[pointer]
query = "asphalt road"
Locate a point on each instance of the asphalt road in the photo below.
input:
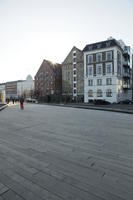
(58, 153)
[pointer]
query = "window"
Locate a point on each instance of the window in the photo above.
(99, 57)
(90, 82)
(74, 59)
(119, 56)
(99, 81)
(74, 91)
(108, 81)
(90, 58)
(109, 55)
(109, 93)
(74, 66)
(74, 85)
(90, 70)
(99, 93)
(108, 68)
(74, 79)
(74, 54)
(99, 69)
(74, 72)
(90, 93)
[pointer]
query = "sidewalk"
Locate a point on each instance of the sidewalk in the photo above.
(122, 108)
(3, 106)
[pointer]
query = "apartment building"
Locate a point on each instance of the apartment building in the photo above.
(73, 76)
(107, 71)
(48, 82)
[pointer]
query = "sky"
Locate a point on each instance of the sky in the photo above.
(34, 30)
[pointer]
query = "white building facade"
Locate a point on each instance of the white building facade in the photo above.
(25, 87)
(107, 71)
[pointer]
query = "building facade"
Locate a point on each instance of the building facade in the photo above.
(48, 82)
(2, 91)
(26, 87)
(107, 71)
(73, 76)
(11, 89)
(15, 89)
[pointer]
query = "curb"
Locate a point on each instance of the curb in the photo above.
(92, 108)
(3, 107)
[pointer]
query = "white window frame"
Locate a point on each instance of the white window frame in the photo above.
(90, 55)
(107, 67)
(107, 55)
(99, 93)
(90, 95)
(90, 82)
(110, 81)
(101, 69)
(90, 66)
(109, 91)
(98, 81)
(97, 58)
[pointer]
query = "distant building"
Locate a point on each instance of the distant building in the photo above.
(15, 89)
(107, 71)
(73, 76)
(2, 90)
(11, 89)
(26, 87)
(48, 84)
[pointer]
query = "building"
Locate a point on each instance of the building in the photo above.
(48, 82)
(11, 89)
(73, 76)
(2, 91)
(15, 89)
(107, 71)
(26, 87)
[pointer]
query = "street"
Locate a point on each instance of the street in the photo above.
(57, 153)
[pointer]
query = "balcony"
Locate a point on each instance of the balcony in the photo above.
(126, 63)
(126, 51)
(126, 75)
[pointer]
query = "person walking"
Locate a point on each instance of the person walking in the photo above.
(22, 103)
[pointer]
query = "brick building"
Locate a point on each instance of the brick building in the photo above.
(73, 76)
(48, 82)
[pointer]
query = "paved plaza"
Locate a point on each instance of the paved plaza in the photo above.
(58, 153)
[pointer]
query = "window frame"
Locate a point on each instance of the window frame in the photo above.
(90, 56)
(91, 93)
(97, 57)
(110, 82)
(100, 64)
(90, 66)
(99, 93)
(98, 81)
(107, 66)
(108, 93)
(90, 82)
(107, 55)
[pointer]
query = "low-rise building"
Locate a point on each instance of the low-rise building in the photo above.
(107, 71)
(48, 82)
(15, 89)
(73, 76)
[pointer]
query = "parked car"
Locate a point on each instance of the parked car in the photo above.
(30, 100)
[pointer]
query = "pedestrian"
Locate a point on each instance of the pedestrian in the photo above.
(22, 103)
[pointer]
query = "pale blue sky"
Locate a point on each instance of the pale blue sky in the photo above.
(33, 30)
